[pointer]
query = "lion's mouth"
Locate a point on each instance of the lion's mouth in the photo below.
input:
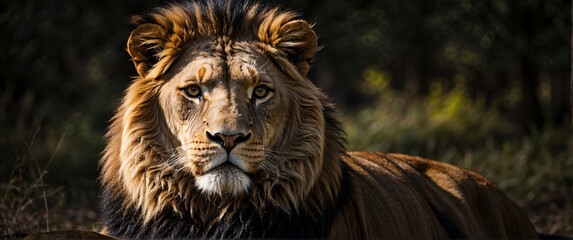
(227, 165)
(227, 162)
(224, 179)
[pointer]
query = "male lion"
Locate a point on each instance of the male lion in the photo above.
(223, 136)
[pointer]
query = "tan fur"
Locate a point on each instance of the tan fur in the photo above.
(162, 157)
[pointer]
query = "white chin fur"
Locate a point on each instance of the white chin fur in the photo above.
(226, 181)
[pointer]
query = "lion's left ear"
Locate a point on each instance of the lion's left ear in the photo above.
(295, 38)
(144, 43)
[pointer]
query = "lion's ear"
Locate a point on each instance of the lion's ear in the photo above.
(293, 37)
(144, 43)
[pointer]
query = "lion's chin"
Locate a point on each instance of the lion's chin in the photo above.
(224, 181)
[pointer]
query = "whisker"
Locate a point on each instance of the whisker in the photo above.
(260, 68)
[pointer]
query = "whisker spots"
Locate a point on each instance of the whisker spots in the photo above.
(252, 150)
(256, 144)
(249, 157)
(204, 148)
(207, 155)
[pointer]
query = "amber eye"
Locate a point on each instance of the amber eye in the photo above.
(261, 92)
(193, 91)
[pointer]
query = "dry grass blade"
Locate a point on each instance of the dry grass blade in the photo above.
(23, 190)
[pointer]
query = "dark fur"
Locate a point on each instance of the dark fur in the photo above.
(274, 223)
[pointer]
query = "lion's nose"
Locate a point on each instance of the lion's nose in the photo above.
(228, 141)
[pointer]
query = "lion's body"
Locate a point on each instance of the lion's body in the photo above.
(223, 136)
(436, 200)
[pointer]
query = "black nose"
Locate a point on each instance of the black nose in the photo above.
(228, 141)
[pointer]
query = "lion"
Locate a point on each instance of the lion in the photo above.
(222, 135)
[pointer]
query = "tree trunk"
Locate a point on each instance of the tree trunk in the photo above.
(571, 84)
(530, 106)
(558, 99)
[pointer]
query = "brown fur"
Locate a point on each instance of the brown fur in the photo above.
(160, 173)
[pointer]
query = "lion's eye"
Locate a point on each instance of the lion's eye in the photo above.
(261, 92)
(193, 91)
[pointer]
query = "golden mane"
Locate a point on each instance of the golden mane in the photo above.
(303, 170)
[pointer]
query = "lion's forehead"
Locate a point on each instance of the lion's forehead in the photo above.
(210, 64)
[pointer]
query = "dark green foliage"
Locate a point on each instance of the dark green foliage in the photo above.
(64, 68)
(513, 53)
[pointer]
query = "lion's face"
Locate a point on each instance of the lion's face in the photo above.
(223, 113)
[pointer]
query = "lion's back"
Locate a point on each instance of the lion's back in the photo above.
(388, 195)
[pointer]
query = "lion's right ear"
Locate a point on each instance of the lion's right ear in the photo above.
(293, 37)
(144, 44)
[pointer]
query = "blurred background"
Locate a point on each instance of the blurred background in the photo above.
(481, 84)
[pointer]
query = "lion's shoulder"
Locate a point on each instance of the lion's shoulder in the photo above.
(442, 199)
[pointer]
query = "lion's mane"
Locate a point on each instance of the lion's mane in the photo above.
(302, 178)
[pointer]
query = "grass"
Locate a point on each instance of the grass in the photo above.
(28, 203)
(24, 194)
